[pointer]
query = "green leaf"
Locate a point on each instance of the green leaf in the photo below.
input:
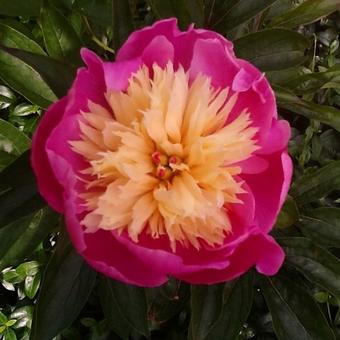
(23, 315)
(125, 307)
(187, 11)
(315, 185)
(18, 192)
(61, 40)
(31, 286)
(167, 300)
(315, 263)
(12, 140)
(323, 113)
(6, 159)
(272, 49)
(3, 318)
(237, 302)
(239, 12)
(122, 20)
(308, 12)
(289, 214)
(7, 97)
(24, 79)
(66, 286)
(17, 8)
(311, 82)
(9, 334)
(28, 268)
(24, 109)
(322, 225)
(15, 35)
(295, 314)
(10, 323)
(99, 11)
(11, 276)
(206, 309)
(51, 76)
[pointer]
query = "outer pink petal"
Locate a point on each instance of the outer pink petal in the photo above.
(256, 96)
(48, 185)
(58, 145)
(212, 59)
(88, 85)
(140, 39)
(183, 42)
(270, 189)
(277, 138)
(126, 261)
(260, 250)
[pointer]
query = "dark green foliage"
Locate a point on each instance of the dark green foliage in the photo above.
(48, 292)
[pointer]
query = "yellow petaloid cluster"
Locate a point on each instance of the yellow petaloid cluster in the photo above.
(163, 160)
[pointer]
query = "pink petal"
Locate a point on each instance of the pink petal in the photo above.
(48, 185)
(270, 189)
(182, 42)
(88, 85)
(140, 39)
(277, 138)
(256, 96)
(212, 59)
(258, 250)
(126, 261)
(243, 80)
(253, 165)
(58, 145)
(117, 74)
(159, 51)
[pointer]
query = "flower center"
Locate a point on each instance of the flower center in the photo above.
(163, 161)
(166, 166)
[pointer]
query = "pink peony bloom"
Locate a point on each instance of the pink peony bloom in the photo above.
(170, 161)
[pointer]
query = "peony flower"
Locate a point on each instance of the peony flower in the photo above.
(169, 161)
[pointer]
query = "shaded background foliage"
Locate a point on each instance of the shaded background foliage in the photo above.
(47, 291)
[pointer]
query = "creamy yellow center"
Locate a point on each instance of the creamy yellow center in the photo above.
(163, 160)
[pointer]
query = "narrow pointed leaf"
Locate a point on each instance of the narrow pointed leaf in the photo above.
(55, 75)
(61, 40)
(12, 140)
(323, 113)
(18, 191)
(206, 309)
(122, 20)
(187, 11)
(99, 11)
(272, 49)
(15, 35)
(20, 238)
(295, 314)
(322, 225)
(24, 79)
(66, 286)
(167, 300)
(237, 302)
(19, 7)
(125, 307)
(315, 263)
(239, 12)
(311, 82)
(308, 12)
(315, 185)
